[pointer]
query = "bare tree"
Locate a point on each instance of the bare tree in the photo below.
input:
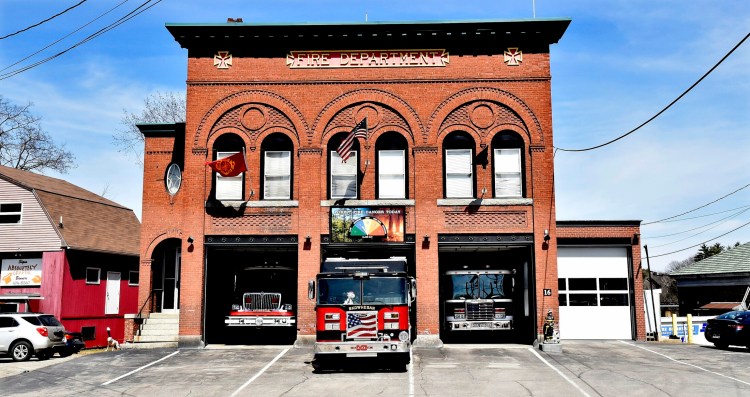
(23, 143)
(168, 107)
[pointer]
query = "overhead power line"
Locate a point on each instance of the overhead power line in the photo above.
(746, 207)
(665, 108)
(46, 20)
(695, 209)
(715, 225)
(98, 33)
(699, 244)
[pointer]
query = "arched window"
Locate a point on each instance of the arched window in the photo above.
(458, 148)
(343, 175)
(276, 158)
(507, 164)
(391, 165)
(233, 187)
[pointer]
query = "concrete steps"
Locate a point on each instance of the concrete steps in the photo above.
(159, 330)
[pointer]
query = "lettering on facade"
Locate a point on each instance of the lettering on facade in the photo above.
(367, 59)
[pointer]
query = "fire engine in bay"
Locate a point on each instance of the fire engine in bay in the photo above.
(362, 310)
(479, 299)
(253, 306)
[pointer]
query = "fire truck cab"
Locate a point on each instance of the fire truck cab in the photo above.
(362, 310)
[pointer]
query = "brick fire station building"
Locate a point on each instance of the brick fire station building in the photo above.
(453, 170)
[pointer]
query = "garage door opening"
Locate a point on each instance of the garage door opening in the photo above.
(485, 294)
(251, 295)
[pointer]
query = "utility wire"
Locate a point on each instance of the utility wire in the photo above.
(703, 216)
(46, 20)
(696, 245)
(664, 109)
(98, 33)
(66, 36)
(699, 227)
(695, 209)
(703, 231)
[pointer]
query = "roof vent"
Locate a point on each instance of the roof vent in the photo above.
(234, 20)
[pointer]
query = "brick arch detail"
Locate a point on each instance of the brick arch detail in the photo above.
(285, 106)
(160, 238)
(374, 96)
(500, 97)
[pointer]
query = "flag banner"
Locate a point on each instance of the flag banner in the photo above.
(362, 325)
(229, 166)
(345, 148)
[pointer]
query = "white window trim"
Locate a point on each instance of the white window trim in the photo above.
(241, 177)
(98, 275)
(334, 156)
(9, 213)
(130, 277)
(266, 175)
(471, 173)
(497, 171)
(402, 174)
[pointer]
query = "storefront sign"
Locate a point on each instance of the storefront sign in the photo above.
(349, 224)
(21, 272)
(367, 59)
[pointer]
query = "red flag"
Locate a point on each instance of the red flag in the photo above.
(229, 166)
(345, 148)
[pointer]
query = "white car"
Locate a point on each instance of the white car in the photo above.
(23, 335)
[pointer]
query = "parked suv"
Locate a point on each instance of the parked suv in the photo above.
(25, 334)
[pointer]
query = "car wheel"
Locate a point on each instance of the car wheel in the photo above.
(65, 353)
(44, 355)
(21, 351)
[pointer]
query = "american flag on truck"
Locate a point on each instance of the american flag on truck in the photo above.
(362, 325)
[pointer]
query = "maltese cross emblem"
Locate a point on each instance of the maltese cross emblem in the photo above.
(223, 60)
(513, 57)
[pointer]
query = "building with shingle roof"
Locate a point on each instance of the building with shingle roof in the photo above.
(68, 252)
(716, 284)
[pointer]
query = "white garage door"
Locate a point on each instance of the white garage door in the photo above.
(593, 283)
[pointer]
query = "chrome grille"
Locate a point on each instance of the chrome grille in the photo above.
(479, 310)
(261, 301)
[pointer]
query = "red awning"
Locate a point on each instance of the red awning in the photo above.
(720, 305)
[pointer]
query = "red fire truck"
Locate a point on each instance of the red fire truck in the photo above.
(479, 299)
(362, 310)
(253, 307)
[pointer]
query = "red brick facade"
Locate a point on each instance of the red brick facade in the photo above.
(477, 92)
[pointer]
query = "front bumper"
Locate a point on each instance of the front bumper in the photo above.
(260, 321)
(362, 348)
(488, 325)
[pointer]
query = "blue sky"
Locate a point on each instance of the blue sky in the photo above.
(618, 64)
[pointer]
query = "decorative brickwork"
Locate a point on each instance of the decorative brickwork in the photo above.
(485, 220)
(281, 222)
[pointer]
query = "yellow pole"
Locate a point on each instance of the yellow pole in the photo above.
(674, 324)
(689, 328)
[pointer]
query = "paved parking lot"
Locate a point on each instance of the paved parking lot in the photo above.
(599, 368)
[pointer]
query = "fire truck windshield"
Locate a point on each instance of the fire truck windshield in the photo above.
(375, 290)
(481, 286)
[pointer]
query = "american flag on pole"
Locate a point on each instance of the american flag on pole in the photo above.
(362, 325)
(345, 148)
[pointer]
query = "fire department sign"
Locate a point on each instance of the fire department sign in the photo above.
(513, 57)
(367, 59)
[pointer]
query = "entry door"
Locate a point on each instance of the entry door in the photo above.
(171, 293)
(112, 303)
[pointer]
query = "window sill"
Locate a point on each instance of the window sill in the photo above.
(490, 201)
(251, 204)
(367, 203)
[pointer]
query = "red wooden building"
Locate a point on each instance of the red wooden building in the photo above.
(68, 252)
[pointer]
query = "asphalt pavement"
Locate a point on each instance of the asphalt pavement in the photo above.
(590, 368)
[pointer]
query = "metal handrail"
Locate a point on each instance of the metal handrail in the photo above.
(140, 312)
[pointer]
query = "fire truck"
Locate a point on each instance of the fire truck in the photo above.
(362, 310)
(254, 307)
(479, 299)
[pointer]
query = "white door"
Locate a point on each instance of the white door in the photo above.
(594, 286)
(112, 303)
(171, 293)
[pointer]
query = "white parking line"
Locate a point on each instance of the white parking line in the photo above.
(260, 372)
(688, 364)
(531, 349)
(410, 371)
(138, 369)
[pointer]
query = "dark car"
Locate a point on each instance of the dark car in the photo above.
(731, 328)
(73, 344)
